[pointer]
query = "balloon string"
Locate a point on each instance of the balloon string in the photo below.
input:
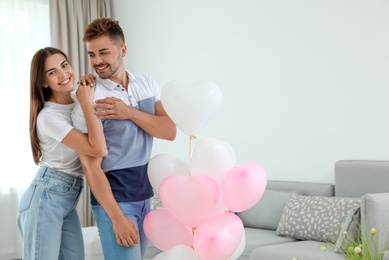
(192, 137)
(194, 230)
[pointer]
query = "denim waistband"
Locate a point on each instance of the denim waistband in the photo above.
(46, 171)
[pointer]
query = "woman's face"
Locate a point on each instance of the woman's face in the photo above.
(58, 74)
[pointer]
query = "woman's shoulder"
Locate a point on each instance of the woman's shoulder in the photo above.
(58, 112)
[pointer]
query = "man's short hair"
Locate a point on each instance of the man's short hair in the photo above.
(104, 27)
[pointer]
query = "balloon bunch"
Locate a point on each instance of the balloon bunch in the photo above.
(197, 219)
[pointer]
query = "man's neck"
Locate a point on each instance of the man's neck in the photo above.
(122, 79)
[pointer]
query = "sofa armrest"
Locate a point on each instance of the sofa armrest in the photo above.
(375, 214)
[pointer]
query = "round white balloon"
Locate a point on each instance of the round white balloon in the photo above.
(178, 252)
(162, 166)
(212, 157)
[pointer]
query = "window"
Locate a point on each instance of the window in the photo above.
(25, 28)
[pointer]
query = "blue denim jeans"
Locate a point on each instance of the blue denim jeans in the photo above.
(136, 212)
(47, 217)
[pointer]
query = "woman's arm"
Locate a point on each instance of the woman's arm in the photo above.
(92, 144)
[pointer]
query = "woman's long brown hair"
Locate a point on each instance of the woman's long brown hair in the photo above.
(38, 95)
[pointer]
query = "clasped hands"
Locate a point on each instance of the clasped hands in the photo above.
(107, 108)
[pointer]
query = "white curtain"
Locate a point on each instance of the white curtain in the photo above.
(25, 28)
(68, 21)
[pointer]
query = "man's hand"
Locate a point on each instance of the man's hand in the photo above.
(112, 108)
(126, 232)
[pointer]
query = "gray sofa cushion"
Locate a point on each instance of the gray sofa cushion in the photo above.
(267, 212)
(261, 237)
(315, 217)
(302, 250)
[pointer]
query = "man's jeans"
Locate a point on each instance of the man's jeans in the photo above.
(136, 212)
(47, 217)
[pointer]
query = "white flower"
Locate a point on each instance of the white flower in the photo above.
(357, 250)
(373, 231)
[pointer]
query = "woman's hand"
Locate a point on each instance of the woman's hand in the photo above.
(85, 93)
(88, 79)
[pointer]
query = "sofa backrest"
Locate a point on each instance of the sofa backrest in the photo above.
(355, 178)
(266, 214)
(304, 188)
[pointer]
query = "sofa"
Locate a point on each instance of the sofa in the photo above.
(362, 183)
(293, 220)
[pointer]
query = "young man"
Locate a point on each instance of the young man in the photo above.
(132, 114)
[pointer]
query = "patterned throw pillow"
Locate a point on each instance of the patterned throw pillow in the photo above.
(315, 217)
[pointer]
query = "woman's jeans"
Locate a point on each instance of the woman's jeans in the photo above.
(47, 217)
(136, 212)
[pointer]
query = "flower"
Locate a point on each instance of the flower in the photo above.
(357, 250)
(364, 246)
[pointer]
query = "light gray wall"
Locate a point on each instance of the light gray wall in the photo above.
(304, 83)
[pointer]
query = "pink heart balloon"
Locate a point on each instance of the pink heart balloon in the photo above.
(243, 186)
(189, 199)
(218, 237)
(190, 106)
(165, 231)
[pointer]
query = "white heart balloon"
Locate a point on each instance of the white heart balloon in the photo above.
(190, 106)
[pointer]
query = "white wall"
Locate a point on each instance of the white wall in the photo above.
(304, 83)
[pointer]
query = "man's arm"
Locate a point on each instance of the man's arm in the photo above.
(125, 231)
(159, 125)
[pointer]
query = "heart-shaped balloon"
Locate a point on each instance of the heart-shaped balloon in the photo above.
(219, 237)
(243, 186)
(189, 199)
(165, 231)
(190, 106)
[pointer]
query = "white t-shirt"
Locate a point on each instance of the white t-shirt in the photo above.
(53, 124)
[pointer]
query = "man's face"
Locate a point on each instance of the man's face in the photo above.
(105, 57)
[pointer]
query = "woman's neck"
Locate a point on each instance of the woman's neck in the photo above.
(63, 99)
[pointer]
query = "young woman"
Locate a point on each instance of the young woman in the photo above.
(47, 217)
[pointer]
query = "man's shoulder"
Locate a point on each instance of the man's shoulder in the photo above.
(141, 77)
(144, 80)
